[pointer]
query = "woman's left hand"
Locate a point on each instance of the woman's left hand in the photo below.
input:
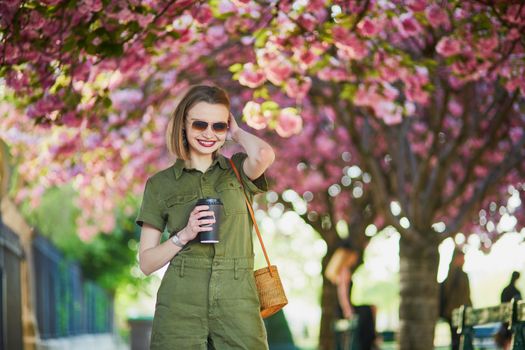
(234, 129)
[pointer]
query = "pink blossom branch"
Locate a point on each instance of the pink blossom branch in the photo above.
(370, 163)
(511, 160)
(489, 142)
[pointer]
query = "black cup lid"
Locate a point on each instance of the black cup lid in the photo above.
(209, 201)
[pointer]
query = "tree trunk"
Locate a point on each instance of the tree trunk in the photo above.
(328, 306)
(418, 310)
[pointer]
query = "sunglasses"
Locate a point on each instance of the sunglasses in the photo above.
(219, 127)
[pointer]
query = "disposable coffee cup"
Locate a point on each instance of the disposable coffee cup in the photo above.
(215, 205)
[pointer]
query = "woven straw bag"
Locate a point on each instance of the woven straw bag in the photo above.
(269, 286)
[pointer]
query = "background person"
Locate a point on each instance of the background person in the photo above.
(455, 291)
(504, 336)
(339, 271)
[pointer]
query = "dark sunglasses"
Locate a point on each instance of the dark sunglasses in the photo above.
(219, 127)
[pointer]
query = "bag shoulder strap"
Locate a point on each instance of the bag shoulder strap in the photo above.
(250, 209)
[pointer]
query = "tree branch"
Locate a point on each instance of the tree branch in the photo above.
(509, 162)
(490, 141)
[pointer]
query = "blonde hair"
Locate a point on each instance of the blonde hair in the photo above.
(175, 134)
(342, 258)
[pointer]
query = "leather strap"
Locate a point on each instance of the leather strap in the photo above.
(250, 209)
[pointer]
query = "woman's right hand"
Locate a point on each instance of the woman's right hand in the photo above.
(347, 312)
(196, 223)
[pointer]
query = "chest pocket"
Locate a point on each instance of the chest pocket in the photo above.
(179, 208)
(230, 193)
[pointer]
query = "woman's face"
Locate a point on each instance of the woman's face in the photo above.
(206, 127)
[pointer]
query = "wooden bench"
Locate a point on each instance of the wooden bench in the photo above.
(466, 318)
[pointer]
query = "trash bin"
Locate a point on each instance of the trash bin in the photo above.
(140, 332)
(279, 334)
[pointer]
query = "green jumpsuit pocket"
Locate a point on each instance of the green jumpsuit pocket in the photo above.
(179, 209)
(230, 193)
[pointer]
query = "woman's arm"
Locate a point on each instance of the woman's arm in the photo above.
(343, 292)
(260, 153)
(152, 255)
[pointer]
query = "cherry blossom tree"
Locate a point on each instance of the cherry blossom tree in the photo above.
(426, 97)
(327, 191)
(432, 97)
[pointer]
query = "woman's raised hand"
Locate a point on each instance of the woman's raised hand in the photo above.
(233, 128)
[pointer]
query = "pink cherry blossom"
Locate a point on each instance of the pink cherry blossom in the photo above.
(334, 74)
(407, 25)
(349, 45)
(368, 27)
(240, 3)
(308, 21)
(315, 181)
(202, 14)
(417, 5)
(254, 116)
(298, 89)
(516, 134)
(278, 71)
(226, 6)
(93, 5)
(389, 112)
(126, 99)
(216, 35)
(487, 46)
(455, 108)
(366, 96)
(437, 16)
(252, 76)
(448, 46)
(288, 122)
(306, 57)
(417, 94)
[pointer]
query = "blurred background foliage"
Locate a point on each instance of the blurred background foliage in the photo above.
(107, 259)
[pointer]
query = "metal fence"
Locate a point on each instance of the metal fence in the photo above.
(10, 297)
(66, 304)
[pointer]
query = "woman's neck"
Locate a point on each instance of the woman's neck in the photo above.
(201, 163)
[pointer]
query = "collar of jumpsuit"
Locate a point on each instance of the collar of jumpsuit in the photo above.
(179, 165)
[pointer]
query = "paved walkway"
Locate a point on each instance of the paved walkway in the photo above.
(85, 342)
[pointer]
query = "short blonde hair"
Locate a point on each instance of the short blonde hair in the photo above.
(175, 131)
(342, 258)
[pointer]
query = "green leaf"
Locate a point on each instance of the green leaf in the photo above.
(348, 92)
(269, 106)
(261, 93)
(235, 68)
(110, 49)
(69, 44)
(261, 36)
(150, 39)
(106, 101)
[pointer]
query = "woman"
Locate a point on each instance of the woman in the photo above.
(339, 270)
(207, 298)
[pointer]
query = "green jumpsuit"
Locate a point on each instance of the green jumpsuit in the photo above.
(207, 298)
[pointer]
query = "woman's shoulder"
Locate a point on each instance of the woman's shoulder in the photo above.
(238, 157)
(163, 176)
